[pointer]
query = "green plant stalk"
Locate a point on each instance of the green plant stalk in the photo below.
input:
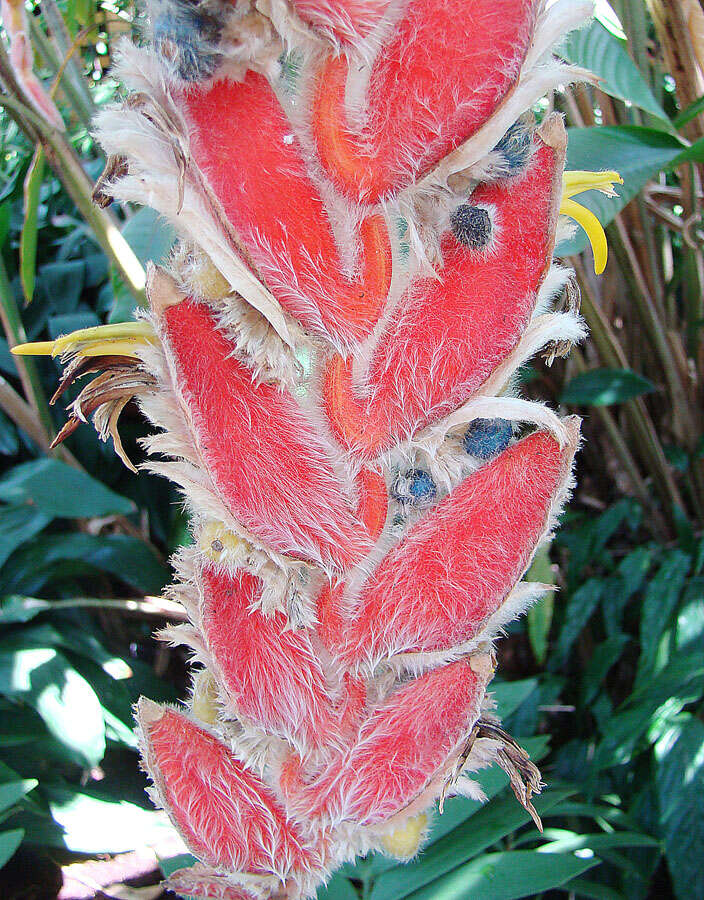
(26, 367)
(611, 354)
(623, 453)
(51, 61)
(655, 328)
(71, 76)
(63, 160)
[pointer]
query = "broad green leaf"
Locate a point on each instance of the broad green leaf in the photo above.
(651, 706)
(28, 241)
(9, 439)
(679, 780)
(580, 607)
(57, 489)
(66, 702)
(659, 602)
(95, 824)
(540, 615)
(599, 842)
(510, 694)
(338, 888)
(603, 658)
(17, 525)
(504, 876)
(62, 284)
(603, 387)
(9, 842)
(127, 558)
(151, 238)
(690, 113)
(491, 823)
(13, 791)
(594, 48)
(584, 887)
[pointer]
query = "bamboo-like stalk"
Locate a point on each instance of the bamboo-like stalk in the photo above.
(67, 166)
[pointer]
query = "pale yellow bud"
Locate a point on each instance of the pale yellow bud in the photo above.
(205, 697)
(206, 280)
(404, 841)
(218, 543)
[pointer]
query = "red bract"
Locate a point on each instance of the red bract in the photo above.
(271, 467)
(367, 226)
(451, 331)
(279, 213)
(445, 68)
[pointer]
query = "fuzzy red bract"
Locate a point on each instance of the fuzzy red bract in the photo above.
(347, 20)
(273, 675)
(402, 745)
(227, 816)
(263, 454)
(449, 333)
(280, 215)
(448, 66)
(455, 568)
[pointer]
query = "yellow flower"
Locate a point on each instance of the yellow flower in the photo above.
(576, 182)
(120, 339)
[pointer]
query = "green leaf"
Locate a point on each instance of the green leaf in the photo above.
(580, 607)
(9, 842)
(17, 525)
(13, 791)
(594, 48)
(679, 780)
(599, 841)
(540, 615)
(509, 695)
(339, 888)
(487, 826)
(28, 241)
(9, 439)
(93, 823)
(659, 604)
(57, 489)
(603, 387)
(127, 558)
(504, 876)
(603, 658)
(151, 238)
(651, 706)
(66, 702)
(690, 113)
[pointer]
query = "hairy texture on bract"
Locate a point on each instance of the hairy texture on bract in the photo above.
(453, 571)
(270, 467)
(225, 814)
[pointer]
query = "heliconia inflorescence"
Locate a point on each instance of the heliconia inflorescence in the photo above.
(367, 214)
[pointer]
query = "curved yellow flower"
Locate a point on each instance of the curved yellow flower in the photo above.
(577, 182)
(120, 339)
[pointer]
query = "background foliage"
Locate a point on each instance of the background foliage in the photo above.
(603, 682)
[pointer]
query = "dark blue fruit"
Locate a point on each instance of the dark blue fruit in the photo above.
(185, 37)
(515, 147)
(414, 487)
(487, 437)
(471, 225)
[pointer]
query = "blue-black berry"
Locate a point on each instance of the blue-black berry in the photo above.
(515, 146)
(487, 437)
(184, 35)
(471, 225)
(414, 487)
